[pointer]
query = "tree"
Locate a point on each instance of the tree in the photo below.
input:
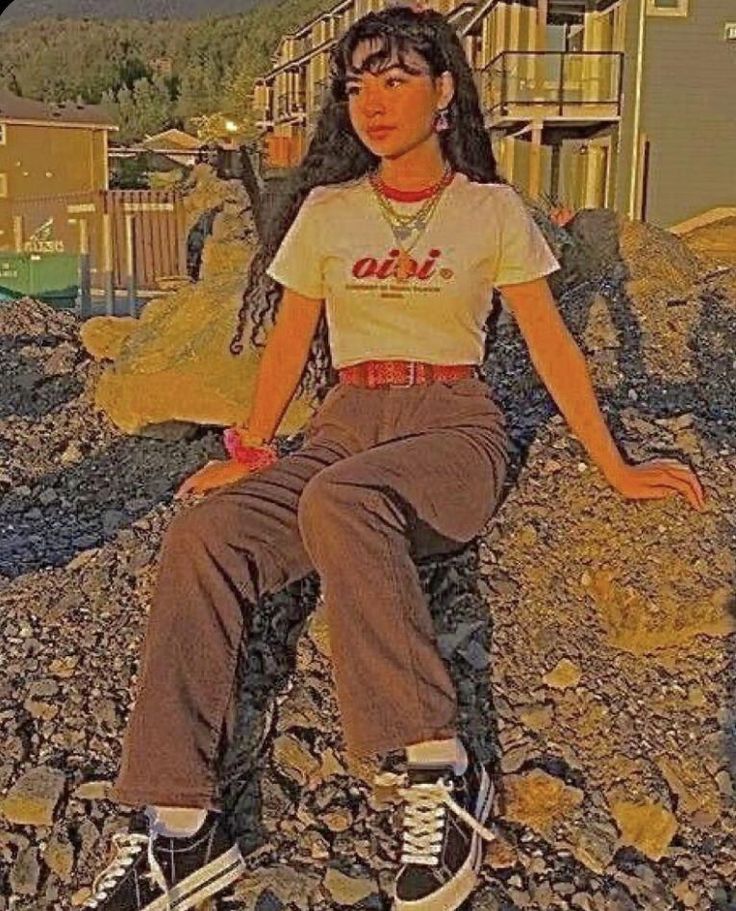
(152, 104)
(211, 63)
(200, 90)
(127, 115)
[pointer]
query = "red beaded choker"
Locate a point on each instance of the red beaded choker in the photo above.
(408, 195)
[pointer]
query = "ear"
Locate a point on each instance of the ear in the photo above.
(446, 88)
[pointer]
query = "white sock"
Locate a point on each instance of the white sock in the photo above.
(439, 752)
(176, 822)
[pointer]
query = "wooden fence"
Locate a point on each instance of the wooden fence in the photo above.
(129, 240)
(148, 228)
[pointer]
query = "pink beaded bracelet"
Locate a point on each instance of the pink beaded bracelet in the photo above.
(253, 456)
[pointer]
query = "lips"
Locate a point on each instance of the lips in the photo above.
(379, 131)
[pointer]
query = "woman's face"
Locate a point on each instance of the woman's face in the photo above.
(394, 110)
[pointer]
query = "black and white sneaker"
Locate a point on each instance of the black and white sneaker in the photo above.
(153, 872)
(442, 830)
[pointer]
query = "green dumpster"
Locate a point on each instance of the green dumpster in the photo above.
(50, 277)
(15, 272)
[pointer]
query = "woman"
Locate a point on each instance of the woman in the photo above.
(397, 223)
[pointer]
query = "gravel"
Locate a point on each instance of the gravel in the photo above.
(590, 637)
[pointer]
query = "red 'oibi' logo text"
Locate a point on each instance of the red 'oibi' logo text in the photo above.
(370, 267)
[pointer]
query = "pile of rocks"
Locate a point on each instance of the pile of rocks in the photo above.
(591, 638)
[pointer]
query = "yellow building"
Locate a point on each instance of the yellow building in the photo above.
(53, 158)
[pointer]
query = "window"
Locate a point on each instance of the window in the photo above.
(667, 7)
(3, 186)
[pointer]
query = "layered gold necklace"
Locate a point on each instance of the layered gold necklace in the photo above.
(404, 225)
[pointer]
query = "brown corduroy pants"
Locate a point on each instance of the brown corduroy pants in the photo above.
(385, 475)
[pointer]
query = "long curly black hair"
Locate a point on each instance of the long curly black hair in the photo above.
(337, 155)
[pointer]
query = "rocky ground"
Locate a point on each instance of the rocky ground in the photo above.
(591, 638)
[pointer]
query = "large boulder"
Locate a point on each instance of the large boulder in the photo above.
(174, 367)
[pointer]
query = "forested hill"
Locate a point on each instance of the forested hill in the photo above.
(29, 10)
(151, 74)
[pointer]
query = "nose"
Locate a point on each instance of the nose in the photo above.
(371, 102)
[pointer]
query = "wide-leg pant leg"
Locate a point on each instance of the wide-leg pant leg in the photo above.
(350, 523)
(355, 517)
(219, 556)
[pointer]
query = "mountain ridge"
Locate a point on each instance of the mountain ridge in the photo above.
(28, 10)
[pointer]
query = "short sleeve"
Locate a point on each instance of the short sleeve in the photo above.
(524, 254)
(298, 262)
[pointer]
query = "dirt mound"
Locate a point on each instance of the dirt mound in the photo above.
(717, 241)
(591, 638)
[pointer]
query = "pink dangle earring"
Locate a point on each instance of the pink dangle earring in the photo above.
(442, 122)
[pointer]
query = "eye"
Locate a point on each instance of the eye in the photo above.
(395, 79)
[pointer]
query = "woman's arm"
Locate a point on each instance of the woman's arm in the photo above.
(564, 370)
(282, 365)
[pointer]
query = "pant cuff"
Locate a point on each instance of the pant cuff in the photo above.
(384, 743)
(194, 800)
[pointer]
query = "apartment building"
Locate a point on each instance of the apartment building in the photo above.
(588, 103)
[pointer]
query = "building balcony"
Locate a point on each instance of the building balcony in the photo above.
(577, 87)
(290, 107)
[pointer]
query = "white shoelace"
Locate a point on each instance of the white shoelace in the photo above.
(424, 821)
(127, 847)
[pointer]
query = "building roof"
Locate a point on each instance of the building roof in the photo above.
(461, 15)
(325, 14)
(13, 107)
(473, 21)
(172, 140)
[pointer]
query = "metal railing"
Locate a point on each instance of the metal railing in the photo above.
(290, 105)
(321, 89)
(555, 80)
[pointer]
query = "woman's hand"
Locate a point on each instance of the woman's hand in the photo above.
(657, 479)
(214, 474)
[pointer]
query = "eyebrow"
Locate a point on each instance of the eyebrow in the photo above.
(388, 69)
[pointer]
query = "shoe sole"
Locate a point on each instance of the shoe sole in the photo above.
(454, 892)
(204, 883)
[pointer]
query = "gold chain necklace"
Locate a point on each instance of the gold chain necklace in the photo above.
(412, 216)
(402, 226)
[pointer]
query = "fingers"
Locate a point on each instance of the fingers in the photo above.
(195, 483)
(685, 475)
(686, 489)
(188, 488)
(188, 493)
(656, 492)
(667, 480)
